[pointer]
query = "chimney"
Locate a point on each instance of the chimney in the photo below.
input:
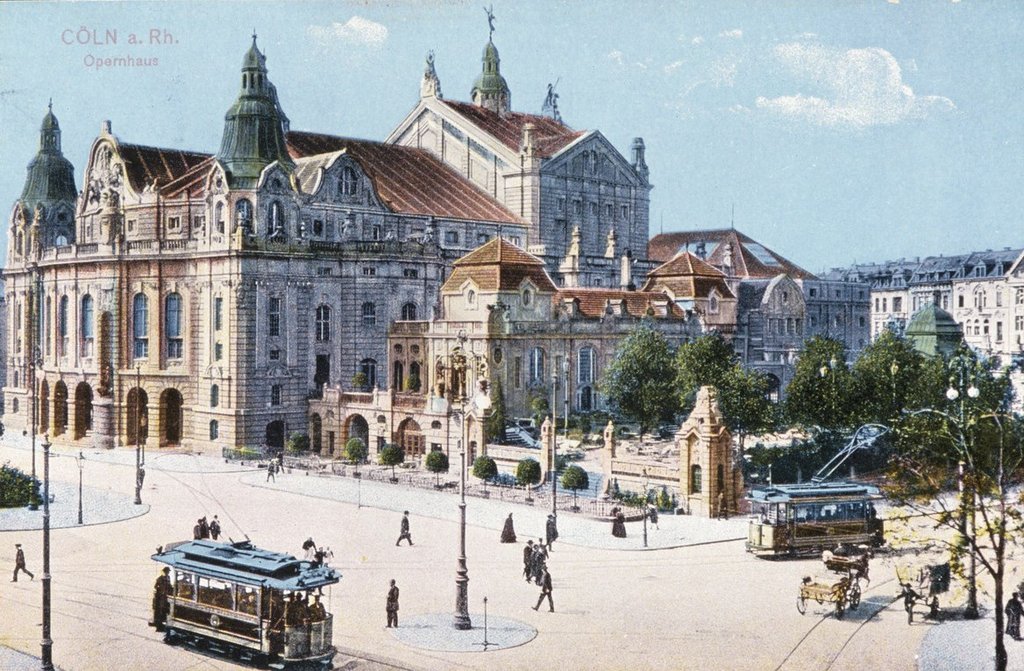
(626, 271)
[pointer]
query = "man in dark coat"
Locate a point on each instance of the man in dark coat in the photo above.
(161, 590)
(19, 563)
(551, 530)
(404, 531)
(545, 591)
(197, 530)
(392, 605)
(619, 523)
(204, 527)
(528, 560)
(215, 528)
(1013, 612)
(508, 532)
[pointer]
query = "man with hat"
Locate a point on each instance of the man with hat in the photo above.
(161, 607)
(19, 564)
(551, 530)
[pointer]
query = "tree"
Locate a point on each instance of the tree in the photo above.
(391, 455)
(968, 442)
(640, 379)
(298, 443)
(485, 469)
(575, 478)
(527, 474)
(437, 463)
(890, 376)
(355, 450)
(17, 489)
(704, 362)
(820, 393)
(496, 421)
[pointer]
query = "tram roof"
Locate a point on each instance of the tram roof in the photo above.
(244, 563)
(814, 491)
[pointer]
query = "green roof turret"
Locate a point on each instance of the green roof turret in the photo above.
(51, 177)
(490, 90)
(254, 126)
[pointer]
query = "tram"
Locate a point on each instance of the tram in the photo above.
(241, 601)
(812, 517)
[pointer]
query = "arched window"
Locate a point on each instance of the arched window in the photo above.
(368, 367)
(218, 217)
(585, 366)
(214, 396)
(720, 477)
(214, 429)
(536, 364)
(398, 377)
(349, 184)
(695, 479)
(470, 297)
(140, 326)
(323, 323)
(172, 325)
(713, 303)
(243, 215)
(62, 324)
(409, 312)
(275, 220)
(86, 326)
(47, 321)
(369, 314)
(414, 376)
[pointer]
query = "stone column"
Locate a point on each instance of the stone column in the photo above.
(103, 423)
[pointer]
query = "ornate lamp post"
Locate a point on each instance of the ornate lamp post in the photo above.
(36, 362)
(960, 385)
(459, 361)
(81, 467)
(139, 473)
(47, 643)
(644, 504)
(554, 440)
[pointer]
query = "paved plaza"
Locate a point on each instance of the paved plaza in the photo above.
(693, 600)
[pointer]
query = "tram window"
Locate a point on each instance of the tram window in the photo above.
(185, 585)
(828, 513)
(803, 513)
(247, 598)
(215, 593)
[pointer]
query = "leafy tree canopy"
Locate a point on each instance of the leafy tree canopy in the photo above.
(640, 380)
(484, 468)
(821, 391)
(574, 477)
(355, 450)
(437, 461)
(528, 472)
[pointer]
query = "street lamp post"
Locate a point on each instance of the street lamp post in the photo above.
(138, 436)
(959, 364)
(36, 362)
(554, 440)
(81, 467)
(644, 504)
(47, 643)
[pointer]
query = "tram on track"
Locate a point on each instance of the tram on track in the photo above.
(812, 517)
(246, 603)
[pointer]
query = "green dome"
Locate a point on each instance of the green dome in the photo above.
(490, 89)
(934, 331)
(254, 126)
(51, 177)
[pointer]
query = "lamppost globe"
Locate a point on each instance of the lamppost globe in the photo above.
(973, 391)
(952, 394)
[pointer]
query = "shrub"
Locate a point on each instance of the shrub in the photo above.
(17, 489)
(355, 450)
(664, 501)
(484, 468)
(528, 472)
(360, 381)
(437, 463)
(575, 478)
(297, 443)
(391, 455)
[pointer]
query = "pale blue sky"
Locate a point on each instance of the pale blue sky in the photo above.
(841, 131)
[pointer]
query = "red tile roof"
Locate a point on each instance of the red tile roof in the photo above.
(594, 302)
(408, 180)
(550, 136)
(750, 259)
(498, 265)
(687, 276)
(173, 170)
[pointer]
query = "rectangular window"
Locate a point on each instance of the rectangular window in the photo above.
(218, 352)
(410, 273)
(561, 205)
(897, 304)
(999, 331)
(625, 212)
(885, 305)
(960, 301)
(608, 212)
(585, 365)
(275, 394)
(274, 317)
(592, 206)
(516, 240)
(577, 207)
(173, 223)
(1018, 322)
(481, 238)
(517, 372)
(451, 237)
(324, 272)
(318, 227)
(275, 355)
(369, 271)
(131, 225)
(999, 298)
(218, 313)
(375, 233)
(198, 223)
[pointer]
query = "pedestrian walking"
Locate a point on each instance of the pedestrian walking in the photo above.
(551, 530)
(618, 523)
(404, 531)
(19, 563)
(197, 530)
(540, 560)
(392, 606)
(528, 560)
(204, 527)
(1013, 611)
(215, 528)
(545, 591)
(654, 516)
(508, 532)
(910, 597)
(161, 607)
(272, 471)
(723, 514)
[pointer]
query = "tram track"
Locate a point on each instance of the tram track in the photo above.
(824, 618)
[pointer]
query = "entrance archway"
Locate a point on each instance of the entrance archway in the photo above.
(137, 418)
(357, 427)
(83, 410)
(275, 434)
(60, 408)
(315, 433)
(171, 416)
(410, 438)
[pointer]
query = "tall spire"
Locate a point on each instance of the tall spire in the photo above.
(51, 177)
(254, 126)
(490, 90)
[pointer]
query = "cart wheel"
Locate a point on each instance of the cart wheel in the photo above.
(801, 604)
(854, 597)
(839, 610)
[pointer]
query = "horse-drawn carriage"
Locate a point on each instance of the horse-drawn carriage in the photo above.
(843, 591)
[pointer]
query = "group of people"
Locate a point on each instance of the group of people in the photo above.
(298, 610)
(316, 554)
(535, 559)
(204, 529)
